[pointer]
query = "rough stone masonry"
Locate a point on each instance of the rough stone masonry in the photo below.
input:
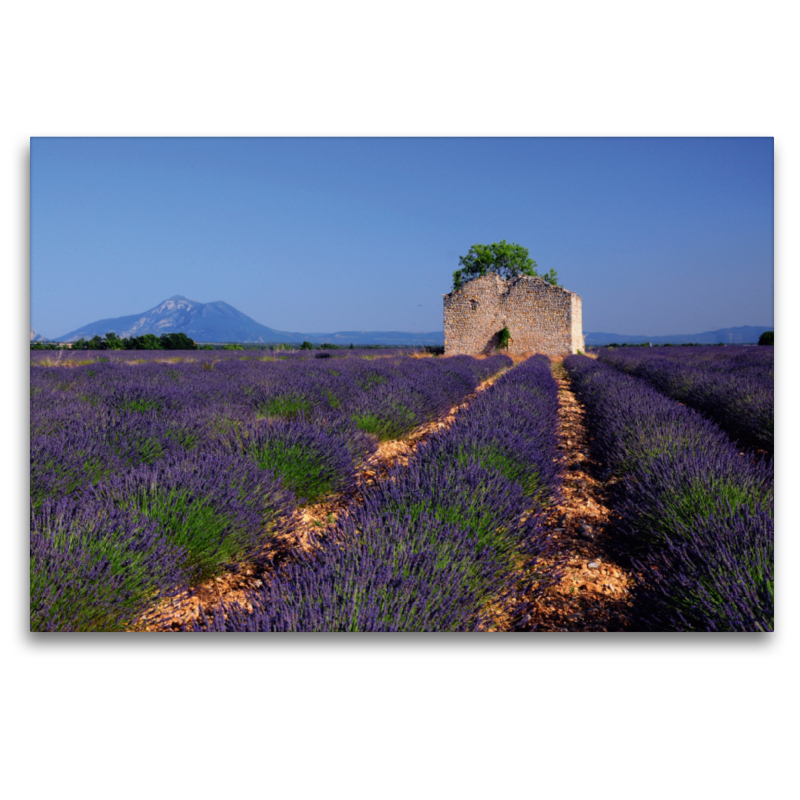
(541, 318)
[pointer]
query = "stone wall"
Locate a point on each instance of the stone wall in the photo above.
(540, 317)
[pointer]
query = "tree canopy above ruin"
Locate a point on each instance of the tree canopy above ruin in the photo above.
(507, 260)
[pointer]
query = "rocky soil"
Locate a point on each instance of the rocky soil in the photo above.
(593, 594)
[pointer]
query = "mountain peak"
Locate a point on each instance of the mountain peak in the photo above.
(203, 322)
(220, 322)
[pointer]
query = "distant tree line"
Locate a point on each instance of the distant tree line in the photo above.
(149, 341)
(327, 346)
(180, 341)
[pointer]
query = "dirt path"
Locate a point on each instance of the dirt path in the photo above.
(593, 595)
(304, 532)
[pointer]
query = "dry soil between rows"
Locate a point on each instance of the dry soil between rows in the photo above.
(594, 592)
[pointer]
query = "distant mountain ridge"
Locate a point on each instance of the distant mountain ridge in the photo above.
(220, 322)
(744, 334)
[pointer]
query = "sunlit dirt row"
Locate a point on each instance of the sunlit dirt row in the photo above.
(593, 594)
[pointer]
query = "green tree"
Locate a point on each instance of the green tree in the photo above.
(767, 338)
(177, 341)
(113, 342)
(148, 341)
(507, 260)
(306, 346)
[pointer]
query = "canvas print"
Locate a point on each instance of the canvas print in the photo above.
(401, 385)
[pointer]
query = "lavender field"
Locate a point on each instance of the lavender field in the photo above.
(81, 357)
(153, 474)
(149, 476)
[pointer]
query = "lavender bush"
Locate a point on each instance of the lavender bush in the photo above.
(311, 461)
(715, 575)
(95, 567)
(86, 449)
(219, 508)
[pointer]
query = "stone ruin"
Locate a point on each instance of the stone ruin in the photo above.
(540, 317)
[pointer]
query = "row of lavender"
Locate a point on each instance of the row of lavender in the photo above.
(734, 386)
(698, 516)
(437, 544)
(147, 478)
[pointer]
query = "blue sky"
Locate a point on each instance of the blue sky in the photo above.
(658, 236)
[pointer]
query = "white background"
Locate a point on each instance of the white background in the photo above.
(120, 716)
